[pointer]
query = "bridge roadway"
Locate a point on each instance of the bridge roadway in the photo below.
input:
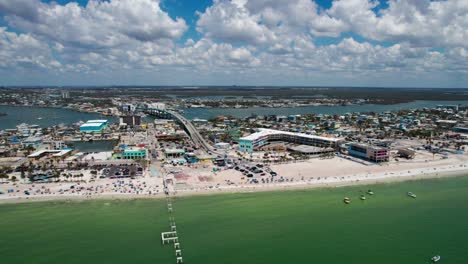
(193, 132)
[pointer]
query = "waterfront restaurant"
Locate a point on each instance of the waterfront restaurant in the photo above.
(265, 136)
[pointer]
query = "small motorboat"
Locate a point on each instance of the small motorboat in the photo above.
(39, 118)
(370, 192)
(362, 197)
(346, 200)
(435, 258)
(410, 194)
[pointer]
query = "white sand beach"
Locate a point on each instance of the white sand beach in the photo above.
(201, 179)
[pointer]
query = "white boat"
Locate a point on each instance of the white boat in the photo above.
(435, 258)
(370, 192)
(362, 197)
(39, 118)
(410, 194)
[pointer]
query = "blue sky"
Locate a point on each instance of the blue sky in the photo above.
(245, 42)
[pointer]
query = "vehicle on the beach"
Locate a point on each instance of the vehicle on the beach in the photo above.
(410, 194)
(435, 258)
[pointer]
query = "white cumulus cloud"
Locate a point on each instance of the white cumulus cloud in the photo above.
(240, 40)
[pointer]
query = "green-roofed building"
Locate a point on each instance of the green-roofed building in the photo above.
(134, 153)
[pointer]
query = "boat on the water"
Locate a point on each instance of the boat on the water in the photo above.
(370, 192)
(362, 197)
(435, 258)
(410, 194)
(346, 200)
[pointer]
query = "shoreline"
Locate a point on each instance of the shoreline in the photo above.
(281, 187)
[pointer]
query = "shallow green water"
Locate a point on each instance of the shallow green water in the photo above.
(311, 226)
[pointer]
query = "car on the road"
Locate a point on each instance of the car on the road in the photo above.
(250, 175)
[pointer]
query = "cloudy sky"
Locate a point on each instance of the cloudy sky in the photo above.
(396, 43)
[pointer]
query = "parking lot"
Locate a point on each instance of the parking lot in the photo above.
(257, 170)
(121, 171)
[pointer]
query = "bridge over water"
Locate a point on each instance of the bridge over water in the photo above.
(186, 124)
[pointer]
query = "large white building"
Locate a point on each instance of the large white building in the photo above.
(65, 94)
(264, 136)
(160, 106)
(128, 107)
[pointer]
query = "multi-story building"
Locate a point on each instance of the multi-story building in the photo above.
(131, 120)
(134, 153)
(126, 108)
(264, 136)
(34, 142)
(160, 106)
(368, 152)
(65, 94)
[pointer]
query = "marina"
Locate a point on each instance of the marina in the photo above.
(42, 116)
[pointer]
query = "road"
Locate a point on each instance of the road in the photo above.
(194, 134)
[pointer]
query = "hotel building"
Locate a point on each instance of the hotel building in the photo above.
(264, 136)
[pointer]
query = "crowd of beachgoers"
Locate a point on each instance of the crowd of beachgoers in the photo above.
(119, 187)
(311, 173)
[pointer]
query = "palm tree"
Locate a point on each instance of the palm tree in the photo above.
(23, 175)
